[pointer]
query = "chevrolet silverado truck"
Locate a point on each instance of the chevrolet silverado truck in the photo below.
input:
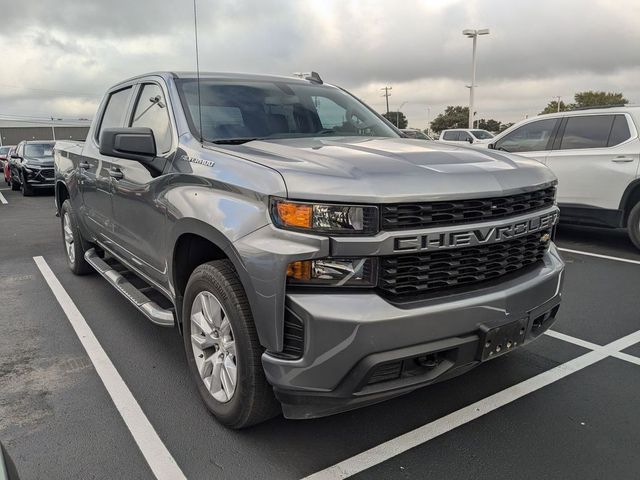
(312, 258)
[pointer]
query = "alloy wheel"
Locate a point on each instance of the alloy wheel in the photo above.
(214, 347)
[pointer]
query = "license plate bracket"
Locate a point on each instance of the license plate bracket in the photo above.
(496, 340)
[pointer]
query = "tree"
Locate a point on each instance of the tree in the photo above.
(491, 125)
(397, 118)
(453, 117)
(552, 107)
(504, 126)
(586, 99)
(592, 98)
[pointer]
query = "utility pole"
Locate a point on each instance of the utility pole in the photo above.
(428, 120)
(474, 35)
(386, 94)
(398, 113)
(558, 97)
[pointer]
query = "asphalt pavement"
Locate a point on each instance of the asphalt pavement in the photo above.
(564, 406)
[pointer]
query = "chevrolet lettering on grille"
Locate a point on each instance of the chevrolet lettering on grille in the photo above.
(477, 236)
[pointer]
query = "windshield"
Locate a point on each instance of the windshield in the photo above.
(236, 111)
(481, 134)
(38, 150)
(4, 150)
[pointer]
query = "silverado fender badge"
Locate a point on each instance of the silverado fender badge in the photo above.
(199, 161)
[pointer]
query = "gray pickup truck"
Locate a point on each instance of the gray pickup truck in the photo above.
(312, 258)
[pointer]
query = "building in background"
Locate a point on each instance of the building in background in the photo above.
(13, 131)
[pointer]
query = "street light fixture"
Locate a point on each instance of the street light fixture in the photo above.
(469, 33)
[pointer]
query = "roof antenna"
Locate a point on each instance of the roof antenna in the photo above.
(195, 24)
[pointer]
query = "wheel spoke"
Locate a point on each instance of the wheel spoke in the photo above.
(199, 321)
(203, 341)
(216, 381)
(206, 368)
(212, 310)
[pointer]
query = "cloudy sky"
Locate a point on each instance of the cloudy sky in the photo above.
(58, 56)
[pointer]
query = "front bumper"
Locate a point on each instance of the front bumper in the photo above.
(353, 342)
(39, 177)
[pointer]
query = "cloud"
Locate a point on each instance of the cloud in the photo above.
(66, 53)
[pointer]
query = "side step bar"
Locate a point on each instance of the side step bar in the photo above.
(149, 308)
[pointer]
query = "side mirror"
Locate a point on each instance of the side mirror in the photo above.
(130, 143)
(470, 139)
(15, 155)
(491, 146)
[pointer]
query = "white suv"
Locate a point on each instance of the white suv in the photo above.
(595, 155)
(470, 135)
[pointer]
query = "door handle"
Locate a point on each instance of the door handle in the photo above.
(84, 165)
(116, 173)
(622, 159)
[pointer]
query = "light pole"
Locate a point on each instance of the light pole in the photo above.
(473, 34)
(398, 113)
(428, 120)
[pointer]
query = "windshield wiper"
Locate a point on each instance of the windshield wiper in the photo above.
(234, 141)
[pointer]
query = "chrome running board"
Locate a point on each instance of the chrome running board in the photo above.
(150, 309)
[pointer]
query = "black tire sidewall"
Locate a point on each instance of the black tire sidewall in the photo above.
(633, 225)
(231, 412)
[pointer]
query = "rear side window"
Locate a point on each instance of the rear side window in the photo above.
(532, 137)
(115, 110)
(450, 136)
(590, 131)
(620, 131)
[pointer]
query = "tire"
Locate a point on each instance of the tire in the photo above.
(75, 245)
(633, 225)
(27, 190)
(235, 348)
(15, 186)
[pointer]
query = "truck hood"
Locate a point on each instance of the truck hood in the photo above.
(385, 170)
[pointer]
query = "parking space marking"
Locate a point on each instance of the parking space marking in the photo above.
(421, 435)
(598, 255)
(3, 200)
(153, 449)
(592, 346)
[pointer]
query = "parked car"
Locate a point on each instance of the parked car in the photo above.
(31, 166)
(414, 133)
(5, 156)
(311, 264)
(595, 154)
(474, 136)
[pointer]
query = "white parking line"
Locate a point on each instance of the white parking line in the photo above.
(3, 200)
(592, 346)
(154, 451)
(421, 435)
(597, 255)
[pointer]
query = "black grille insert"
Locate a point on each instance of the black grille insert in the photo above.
(426, 272)
(423, 215)
(293, 336)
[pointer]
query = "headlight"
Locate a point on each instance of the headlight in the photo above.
(325, 218)
(334, 272)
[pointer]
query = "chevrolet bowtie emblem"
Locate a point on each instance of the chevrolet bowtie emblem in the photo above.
(545, 238)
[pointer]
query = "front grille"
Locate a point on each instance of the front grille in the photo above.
(422, 273)
(423, 215)
(47, 172)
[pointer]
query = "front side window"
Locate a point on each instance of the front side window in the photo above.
(234, 111)
(589, 131)
(464, 136)
(619, 132)
(115, 110)
(451, 136)
(531, 137)
(151, 112)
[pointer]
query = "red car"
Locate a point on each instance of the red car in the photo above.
(5, 156)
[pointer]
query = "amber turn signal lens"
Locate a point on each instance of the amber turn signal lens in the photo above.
(295, 214)
(299, 270)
